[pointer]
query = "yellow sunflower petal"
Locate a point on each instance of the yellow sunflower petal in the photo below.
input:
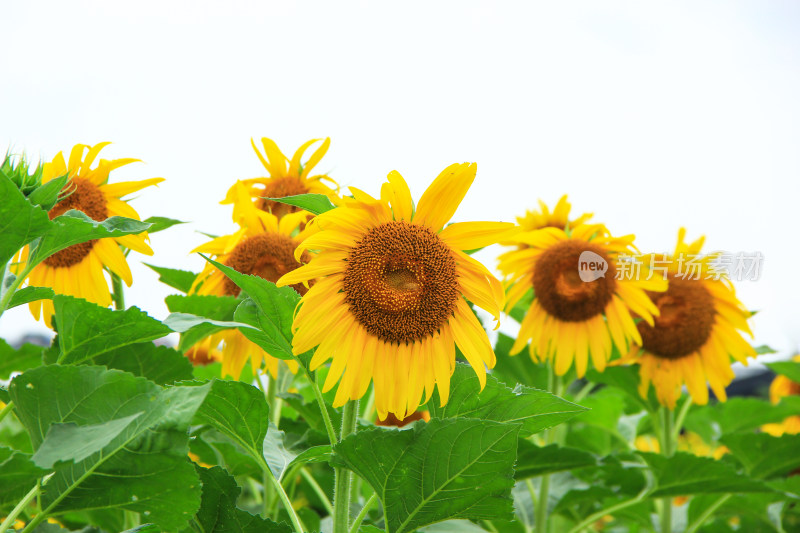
(439, 202)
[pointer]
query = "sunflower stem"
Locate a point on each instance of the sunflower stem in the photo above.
(363, 513)
(341, 495)
(315, 486)
(117, 292)
(678, 425)
(694, 526)
(668, 438)
(4, 413)
(24, 502)
(554, 385)
(275, 417)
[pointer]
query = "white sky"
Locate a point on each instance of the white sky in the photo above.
(651, 115)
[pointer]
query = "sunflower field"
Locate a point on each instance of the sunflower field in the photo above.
(337, 366)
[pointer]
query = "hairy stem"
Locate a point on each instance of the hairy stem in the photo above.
(341, 495)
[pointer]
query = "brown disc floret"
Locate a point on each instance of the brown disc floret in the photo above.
(280, 188)
(686, 317)
(86, 197)
(268, 256)
(559, 288)
(400, 282)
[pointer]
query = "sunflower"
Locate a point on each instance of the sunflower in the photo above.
(78, 269)
(264, 246)
(388, 305)
(285, 180)
(782, 387)
(696, 333)
(559, 218)
(573, 317)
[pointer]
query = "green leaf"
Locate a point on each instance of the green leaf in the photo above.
(71, 442)
(18, 475)
(161, 223)
(177, 279)
(217, 313)
(514, 369)
(534, 460)
(218, 512)
(239, 411)
(20, 360)
(313, 203)
(534, 409)
(626, 379)
(274, 344)
(763, 455)
(75, 227)
(737, 415)
(46, 196)
(31, 294)
(685, 474)
(144, 468)
(86, 330)
(790, 369)
(277, 455)
(20, 221)
(436, 471)
(159, 364)
(276, 305)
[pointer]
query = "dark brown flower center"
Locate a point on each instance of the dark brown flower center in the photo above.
(400, 282)
(280, 188)
(559, 288)
(268, 256)
(685, 321)
(86, 197)
(392, 420)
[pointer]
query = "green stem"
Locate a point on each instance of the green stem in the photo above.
(678, 425)
(554, 385)
(117, 292)
(591, 519)
(326, 417)
(274, 402)
(668, 439)
(131, 519)
(315, 486)
(363, 513)
(694, 526)
(341, 494)
(24, 502)
(4, 413)
(9, 293)
(287, 503)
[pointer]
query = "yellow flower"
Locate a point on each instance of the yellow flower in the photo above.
(559, 218)
(264, 246)
(388, 306)
(576, 314)
(697, 332)
(782, 387)
(286, 177)
(78, 270)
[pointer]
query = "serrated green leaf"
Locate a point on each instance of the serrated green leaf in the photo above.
(20, 360)
(790, 369)
(18, 474)
(534, 409)
(217, 313)
(535, 460)
(46, 196)
(160, 223)
(175, 278)
(218, 512)
(763, 455)
(71, 442)
(30, 294)
(239, 411)
(75, 227)
(143, 469)
(684, 474)
(626, 379)
(276, 306)
(444, 469)
(262, 331)
(313, 203)
(159, 364)
(20, 221)
(86, 330)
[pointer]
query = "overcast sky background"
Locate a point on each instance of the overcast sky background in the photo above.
(651, 115)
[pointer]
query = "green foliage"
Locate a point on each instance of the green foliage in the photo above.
(765, 456)
(214, 313)
(161, 223)
(684, 474)
(175, 278)
(11, 360)
(30, 294)
(790, 369)
(444, 469)
(313, 203)
(20, 221)
(535, 460)
(535, 410)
